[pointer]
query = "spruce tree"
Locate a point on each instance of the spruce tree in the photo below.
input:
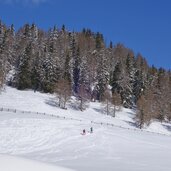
(116, 78)
(76, 70)
(24, 69)
(129, 88)
(102, 75)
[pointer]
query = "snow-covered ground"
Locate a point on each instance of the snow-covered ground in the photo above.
(58, 141)
(11, 163)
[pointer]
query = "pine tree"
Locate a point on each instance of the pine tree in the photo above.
(141, 70)
(50, 72)
(2, 31)
(76, 67)
(3, 62)
(35, 73)
(1, 80)
(138, 86)
(7, 53)
(24, 69)
(117, 78)
(111, 45)
(102, 75)
(63, 28)
(99, 41)
(67, 72)
(129, 88)
(162, 95)
(169, 96)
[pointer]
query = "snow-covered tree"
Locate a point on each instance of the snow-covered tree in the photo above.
(23, 78)
(116, 102)
(40, 59)
(144, 110)
(83, 97)
(102, 74)
(75, 66)
(107, 102)
(63, 92)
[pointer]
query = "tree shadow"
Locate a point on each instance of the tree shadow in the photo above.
(168, 127)
(97, 110)
(130, 113)
(51, 102)
(131, 123)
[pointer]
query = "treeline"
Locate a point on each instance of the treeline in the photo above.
(80, 64)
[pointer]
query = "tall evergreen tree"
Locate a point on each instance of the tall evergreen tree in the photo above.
(76, 71)
(129, 88)
(24, 72)
(102, 75)
(99, 41)
(117, 78)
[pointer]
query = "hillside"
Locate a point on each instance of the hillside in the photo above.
(12, 98)
(11, 163)
(81, 64)
(58, 141)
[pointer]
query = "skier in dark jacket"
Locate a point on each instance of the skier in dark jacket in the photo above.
(84, 132)
(91, 130)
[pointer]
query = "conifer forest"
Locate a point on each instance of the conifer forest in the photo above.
(82, 65)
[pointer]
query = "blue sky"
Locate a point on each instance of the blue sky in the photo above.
(142, 25)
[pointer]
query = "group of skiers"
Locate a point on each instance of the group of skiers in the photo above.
(84, 131)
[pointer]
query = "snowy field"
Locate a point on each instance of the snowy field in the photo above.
(11, 163)
(58, 142)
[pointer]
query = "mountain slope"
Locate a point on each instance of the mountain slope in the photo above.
(11, 163)
(58, 141)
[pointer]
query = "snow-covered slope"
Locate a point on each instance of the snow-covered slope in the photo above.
(58, 141)
(46, 103)
(9, 163)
